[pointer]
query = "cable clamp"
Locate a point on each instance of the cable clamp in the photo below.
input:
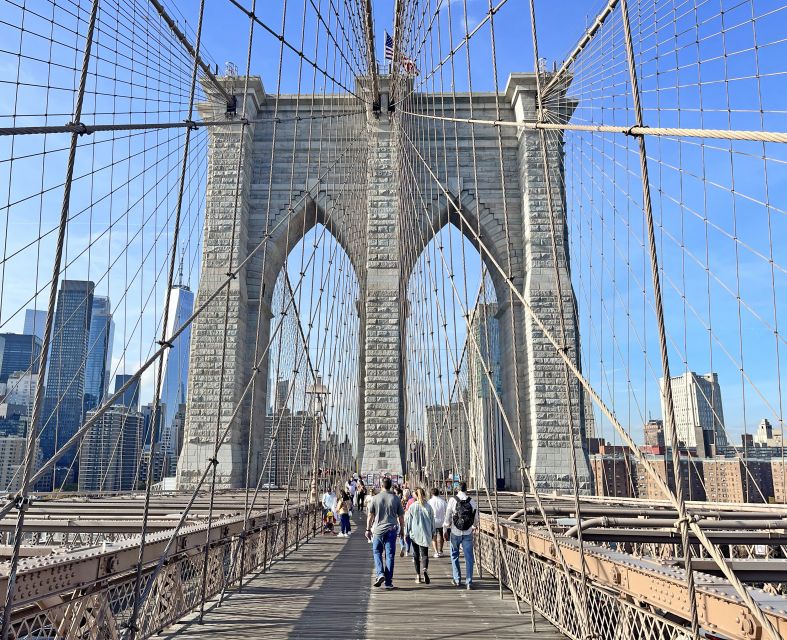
(165, 343)
(191, 125)
(630, 130)
(22, 502)
(79, 127)
(214, 461)
(231, 275)
(687, 519)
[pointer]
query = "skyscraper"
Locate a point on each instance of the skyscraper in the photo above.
(282, 396)
(486, 435)
(290, 460)
(699, 417)
(447, 440)
(130, 397)
(111, 451)
(99, 352)
(34, 323)
(65, 386)
(18, 352)
(176, 364)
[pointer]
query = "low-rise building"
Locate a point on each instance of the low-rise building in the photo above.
(691, 473)
(779, 479)
(614, 474)
(737, 480)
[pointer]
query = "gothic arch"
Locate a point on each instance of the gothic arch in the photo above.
(308, 212)
(475, 216)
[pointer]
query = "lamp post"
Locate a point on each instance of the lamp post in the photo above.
(318, 392)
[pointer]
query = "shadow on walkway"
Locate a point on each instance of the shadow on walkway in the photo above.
(340, 607)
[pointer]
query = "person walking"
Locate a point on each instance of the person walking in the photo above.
(361, 493)
(385, 513)
(407, 499)
(352, 487)
(343, 507)
(461, 519)
(438, 505)
(418, 531)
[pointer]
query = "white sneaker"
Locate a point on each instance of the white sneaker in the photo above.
(436, 555)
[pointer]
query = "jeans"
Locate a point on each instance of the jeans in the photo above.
(385, 542)
(345, 519)
(466, 542)
(421, 558)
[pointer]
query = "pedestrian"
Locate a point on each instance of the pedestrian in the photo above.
(407, 498)
(418, 531)
(328, 502)
(352, 486)
(343, 509)
(461, 519)
(438, 508)
(361, 494)
(385, 514)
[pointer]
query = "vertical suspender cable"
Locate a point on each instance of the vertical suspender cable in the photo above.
(669, 418)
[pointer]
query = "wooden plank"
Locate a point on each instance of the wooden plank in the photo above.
(324, 590)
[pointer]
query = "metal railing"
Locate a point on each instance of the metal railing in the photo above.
(627, 597)
(101, 608)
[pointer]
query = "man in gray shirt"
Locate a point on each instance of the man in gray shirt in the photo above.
(385, 513)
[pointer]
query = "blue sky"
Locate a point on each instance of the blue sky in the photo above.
(720, 209)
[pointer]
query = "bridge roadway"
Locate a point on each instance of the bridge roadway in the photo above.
(324, 590)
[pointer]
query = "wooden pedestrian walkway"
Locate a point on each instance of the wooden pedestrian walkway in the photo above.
(324, 590)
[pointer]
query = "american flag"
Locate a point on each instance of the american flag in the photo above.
(388, 46)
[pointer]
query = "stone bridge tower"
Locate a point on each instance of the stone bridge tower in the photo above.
(371, 238)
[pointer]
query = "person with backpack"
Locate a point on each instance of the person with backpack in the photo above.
(461, 520)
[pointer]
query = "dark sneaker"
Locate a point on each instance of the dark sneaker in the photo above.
(379, 580)
(389, 587)
(426, 578)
